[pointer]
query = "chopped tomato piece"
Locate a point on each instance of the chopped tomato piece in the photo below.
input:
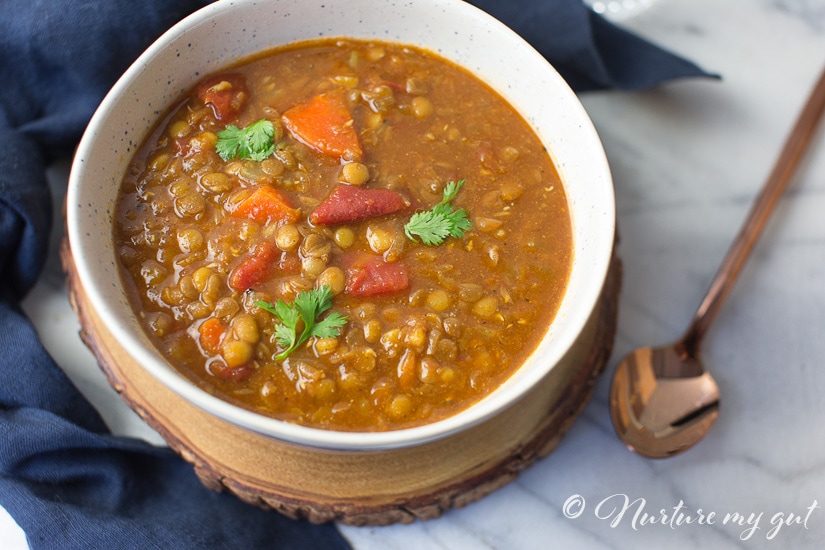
(211, 333)
(368, 275)
(290, 263)
(182, 146)
(235, 374)
(225, 93)
(266, 205)
(255, 267)
(348, 203)
(325, 124)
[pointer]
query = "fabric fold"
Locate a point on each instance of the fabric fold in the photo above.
(588, 51)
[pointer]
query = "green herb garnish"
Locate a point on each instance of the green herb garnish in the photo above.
(442, 221)
(306, 309)
(254, 142)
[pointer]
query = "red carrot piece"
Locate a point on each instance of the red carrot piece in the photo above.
(348, 203)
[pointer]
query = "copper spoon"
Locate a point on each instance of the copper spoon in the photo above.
(662, 401)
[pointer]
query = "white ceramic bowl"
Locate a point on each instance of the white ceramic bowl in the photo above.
(226, 30)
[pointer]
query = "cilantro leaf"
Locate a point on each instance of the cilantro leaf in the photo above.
(307, 308)
(266, 306)
(329, 326)
(442, 221)
(451, 190)
(286, 336)
(254, 142)
(229, 141)
(432, 227)
(310, 305)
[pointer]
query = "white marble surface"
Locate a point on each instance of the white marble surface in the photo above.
(687, 160)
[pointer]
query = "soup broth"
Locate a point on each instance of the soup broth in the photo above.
(345, 234)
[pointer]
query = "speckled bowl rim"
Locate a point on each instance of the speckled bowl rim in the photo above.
(229, 29)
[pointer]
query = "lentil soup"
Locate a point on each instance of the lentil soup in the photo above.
(349, 235)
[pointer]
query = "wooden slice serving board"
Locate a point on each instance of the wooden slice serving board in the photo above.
(362, 488)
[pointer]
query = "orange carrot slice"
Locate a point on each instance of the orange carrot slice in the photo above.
(211, 333)
(267, 205)
(325, 124)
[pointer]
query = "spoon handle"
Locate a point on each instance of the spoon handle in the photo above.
(764, 204)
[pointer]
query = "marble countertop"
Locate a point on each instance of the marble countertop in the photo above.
(687, 160)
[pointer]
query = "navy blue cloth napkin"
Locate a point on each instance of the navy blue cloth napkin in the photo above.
(64, 478)
(588, 51)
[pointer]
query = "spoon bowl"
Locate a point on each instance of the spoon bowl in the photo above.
(664, 400)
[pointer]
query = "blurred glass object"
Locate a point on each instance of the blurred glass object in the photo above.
(618, 10)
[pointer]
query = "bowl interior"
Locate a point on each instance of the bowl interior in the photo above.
(227, 30)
